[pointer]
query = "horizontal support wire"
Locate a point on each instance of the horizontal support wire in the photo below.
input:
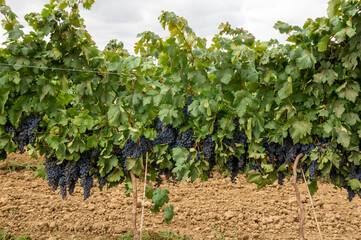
(72, 70)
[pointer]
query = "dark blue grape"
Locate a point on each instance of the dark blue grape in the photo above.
(185, 108)
(117, 151)
(25, 134)
(185, 140)
(87, 185)
(167, 135)
(9, 128)
(281, 177)
(313, 170)
(133, 149)
(233, 166)
(67, 174)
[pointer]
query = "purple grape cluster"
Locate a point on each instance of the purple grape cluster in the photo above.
(26, 133)
(66, 174)
(166, 135)
(185, 107)
(234, 166)
(185, 140)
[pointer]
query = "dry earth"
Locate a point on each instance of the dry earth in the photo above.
(28, 206)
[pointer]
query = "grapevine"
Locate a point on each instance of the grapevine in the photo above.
(236, 105)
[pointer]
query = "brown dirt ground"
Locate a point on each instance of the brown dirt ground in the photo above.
(28, 206)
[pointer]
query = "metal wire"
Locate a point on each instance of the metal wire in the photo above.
(71, 70)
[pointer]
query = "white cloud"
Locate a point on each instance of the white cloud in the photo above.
(124, 19)
(261, 19)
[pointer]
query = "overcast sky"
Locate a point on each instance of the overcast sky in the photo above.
(124, 19)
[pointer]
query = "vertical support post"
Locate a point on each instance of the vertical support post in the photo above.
(145, 184)
(134, 210)
(298, 197)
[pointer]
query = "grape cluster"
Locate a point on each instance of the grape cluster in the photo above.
(239, 136)
(133, 149)
(286, 154)
(66, 174)
(102, 181)
(95, 154)
(167, 173)
(313, 169)
(54, 171)
(234, 166)
(351, 193)
(185, 107)
(281, 177)
(209, 150)
(209, 147)
(355, 171)
(185, 140)
(166, 135)
(255, 166)
(196, 159)
(26, 133)
(9, 128)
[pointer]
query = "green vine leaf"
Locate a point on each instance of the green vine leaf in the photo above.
(306, 60)
(168, 214)
(300, 129)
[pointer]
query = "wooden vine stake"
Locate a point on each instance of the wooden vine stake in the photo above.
(298, 197)
(134, 210)
(313, 206)
(143, 202)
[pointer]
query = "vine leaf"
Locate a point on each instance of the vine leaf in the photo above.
(349, 90)
(160, 197)
(326, 75)
(282, 27)
(306, 60)
(286, 90)
(116, 115)
(167, 113)
(351, 118)
(226, 76)
(168, 214)
(88, 3)
(3, 141)
(115, 175)
(333, 8)
(355, 157)
(83, 121)
(4, 94)
(300, 129)
(313, 187)
(339, 108)
(343, 136)
(355, 184)
(323, 44)
(32, 151)
(47, 89)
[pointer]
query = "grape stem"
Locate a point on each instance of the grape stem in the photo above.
(298, 197)
(134, 210)
(128, 116)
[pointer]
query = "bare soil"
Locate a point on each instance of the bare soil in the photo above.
(28, 206)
